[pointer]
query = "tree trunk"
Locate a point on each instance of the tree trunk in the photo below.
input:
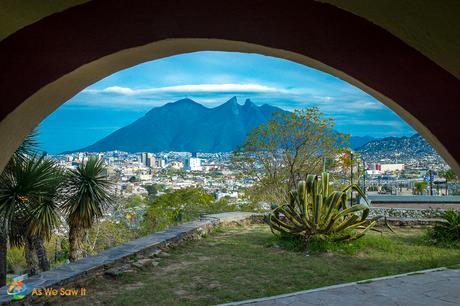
(31, 260)
(41, 253)
(76, 236)
(3, 258)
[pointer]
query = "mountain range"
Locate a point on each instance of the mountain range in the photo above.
(186, 125)
(398, 149)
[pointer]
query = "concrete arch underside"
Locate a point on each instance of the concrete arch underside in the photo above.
(46, 63)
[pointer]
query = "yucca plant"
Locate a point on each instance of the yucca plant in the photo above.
(88, 191)
(315, 210)
(29, 205)
(449, 228)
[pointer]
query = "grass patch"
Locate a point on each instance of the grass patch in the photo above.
(239, 263)
(457, 266)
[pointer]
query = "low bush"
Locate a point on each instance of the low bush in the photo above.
(447, 230)
(181, 206)
(16, 261)
(108, 234)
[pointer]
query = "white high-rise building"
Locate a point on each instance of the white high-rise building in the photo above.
(193, 164)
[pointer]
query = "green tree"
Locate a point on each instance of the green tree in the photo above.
(133, 179)
(420, 187)
(133, 201)
(284, 150)
(88, 195)
(449, 176)
(152, 190)
(29, 206)
(27, 148)
(179, 206)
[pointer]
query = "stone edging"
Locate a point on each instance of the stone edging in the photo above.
(147, 246)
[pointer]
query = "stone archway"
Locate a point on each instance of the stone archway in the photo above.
(49, 61)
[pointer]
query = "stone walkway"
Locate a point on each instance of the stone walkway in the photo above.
(435, 287)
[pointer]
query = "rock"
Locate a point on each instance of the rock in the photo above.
(142, 263)
(137, 265)
(163, 255)
(155, 263)
(145, 261)
(129, 271)
(117, 271)
(153, 253)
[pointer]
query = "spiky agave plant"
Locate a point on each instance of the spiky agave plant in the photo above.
(315, 210)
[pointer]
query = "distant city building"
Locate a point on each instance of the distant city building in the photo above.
(391, 167)
(150, 162)
(148, 159)
(193, 164)
(376, 168)
(176, 165)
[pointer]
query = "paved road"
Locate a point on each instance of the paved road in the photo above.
(429, 287)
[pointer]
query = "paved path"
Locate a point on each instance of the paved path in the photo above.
(430, 287)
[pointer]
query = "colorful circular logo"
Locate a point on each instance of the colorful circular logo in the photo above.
(17, 289)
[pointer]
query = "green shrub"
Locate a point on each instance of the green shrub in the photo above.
(108, 234)
(448, 229)
(16, 261)
(181, 206)
(316, 211)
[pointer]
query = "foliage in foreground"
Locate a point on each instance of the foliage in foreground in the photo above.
(316, 211)
(181, 206)
(448, 229)
(29, 206)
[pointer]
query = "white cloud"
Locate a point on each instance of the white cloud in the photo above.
(324, 98)
(196, 88)
(388, 123)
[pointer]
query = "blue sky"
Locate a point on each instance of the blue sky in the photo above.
(211, 78)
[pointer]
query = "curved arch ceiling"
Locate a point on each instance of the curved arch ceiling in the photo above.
(47, 62)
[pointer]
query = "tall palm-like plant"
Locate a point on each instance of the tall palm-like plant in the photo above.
(28, 205)
(88, 195)
(28, 147)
